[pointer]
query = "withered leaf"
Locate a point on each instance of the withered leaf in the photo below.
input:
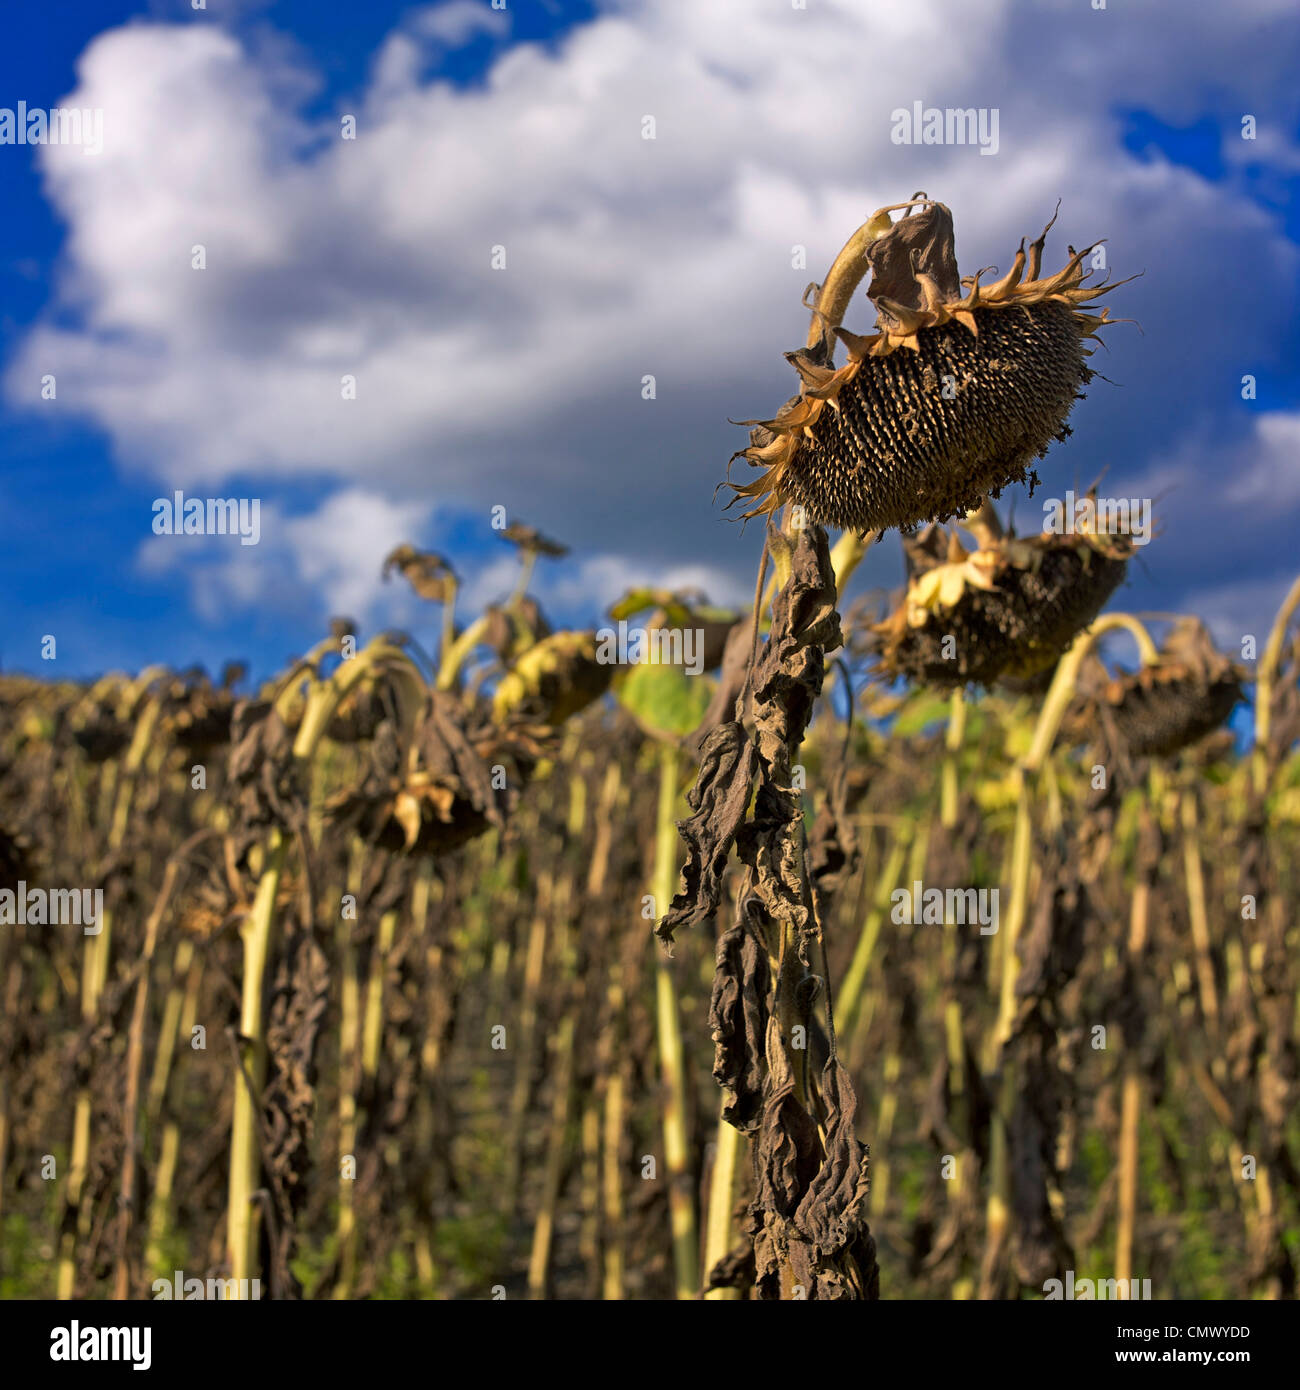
(261, 775)
(718, 801)
(832, 845)
(772, 845)
(787, 1148)
(735, 1270)
(738, 1016)
(298, 1004)
(833, 1214)
(921, 243)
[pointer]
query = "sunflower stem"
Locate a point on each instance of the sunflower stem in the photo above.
(671, 1062)
(1265, 678)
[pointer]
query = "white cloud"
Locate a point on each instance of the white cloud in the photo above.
(413, 48)
(625, 257)
(1270, 464)
(459, 21)
(340, 548)
(322, 564)
(492, 582)
(1238, 609)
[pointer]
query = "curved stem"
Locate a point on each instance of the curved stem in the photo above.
(847, 273)
(259, 940)
(1049, 722)
(450, 662)
(1265, 678)
(525, 578)
(1067, 674)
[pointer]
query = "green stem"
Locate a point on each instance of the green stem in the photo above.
(951, 758)
(717, 1234)
(681, 1203)
(849, 998)
(1265, 678)
(243, 1218)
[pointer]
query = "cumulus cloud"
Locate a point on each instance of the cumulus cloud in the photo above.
(459, 21)
(1240, 609)
(497, 269)
(1270, 465)
(322, 563)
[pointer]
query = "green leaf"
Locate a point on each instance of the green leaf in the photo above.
(640, 600)
(919, 712)
(710, 613)
(664, 700)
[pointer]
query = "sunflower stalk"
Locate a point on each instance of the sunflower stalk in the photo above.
(258, 933)
(77, 1215)
(681, 1203)
(999, 1066)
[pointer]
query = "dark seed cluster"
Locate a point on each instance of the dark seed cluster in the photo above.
(1159, 718)
(897, 448)
(1017, 630)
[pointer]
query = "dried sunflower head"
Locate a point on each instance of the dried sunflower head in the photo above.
(444, 787)
(360, 713)
(196, 714)
(530, 539)
(1163, 708)
(1007, 610)
(101, 720)
(960, 388)
(512, 628)
(553, 679)
(15, 856)
(428, 574)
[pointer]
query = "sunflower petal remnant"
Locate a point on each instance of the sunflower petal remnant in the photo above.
(960, 389)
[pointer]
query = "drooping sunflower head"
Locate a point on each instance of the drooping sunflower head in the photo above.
(1006, 610)
(361, 711)
(958, 391)
(15, 856)
(101, 719)
(1170, 704)
(556, 678)
(196, 714)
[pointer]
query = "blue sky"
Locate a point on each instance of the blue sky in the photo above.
(627, 257)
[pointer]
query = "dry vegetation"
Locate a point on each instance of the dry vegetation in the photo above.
(381, 1004)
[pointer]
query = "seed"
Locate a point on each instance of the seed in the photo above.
(1010, 610)
(1164, 708)
(953, 397)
